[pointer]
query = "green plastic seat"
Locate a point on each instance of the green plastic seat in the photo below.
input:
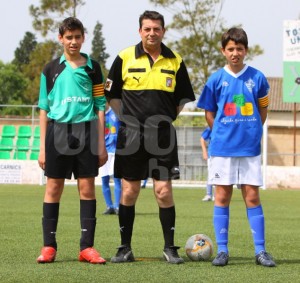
(6, 144)
(35, 146)
(8, 131)
(34, 155)
(20, 155)
(4, 154)
(24, 131)
(22, 144)
(37, 131)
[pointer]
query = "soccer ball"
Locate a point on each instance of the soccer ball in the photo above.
(199, 247)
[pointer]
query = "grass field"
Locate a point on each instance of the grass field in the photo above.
(21, 239)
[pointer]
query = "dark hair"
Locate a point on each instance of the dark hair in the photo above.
(238, 35)
(152, 15)
(71, 24)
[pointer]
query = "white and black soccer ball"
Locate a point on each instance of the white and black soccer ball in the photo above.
(199, 247)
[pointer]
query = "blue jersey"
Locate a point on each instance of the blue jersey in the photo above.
(111, 130)
(206, 134)
(235, 98)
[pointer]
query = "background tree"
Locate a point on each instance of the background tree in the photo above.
(43, 53)
(51, 12)
(20, 79)
(22, 53)
(195, 33)
(98, 48)
(13, 84)
(46, 20)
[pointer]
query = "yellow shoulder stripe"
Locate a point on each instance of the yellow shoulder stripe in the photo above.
(98, 90)
(263, 101)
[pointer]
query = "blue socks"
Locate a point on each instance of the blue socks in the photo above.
(106, 191)
(257, 224)
(117, 192)
(221, 224)
(209, 189)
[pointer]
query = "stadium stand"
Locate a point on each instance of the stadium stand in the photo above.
(22, 144)
(19, 142)
(35, 146)
(20, 155)
(5, 155)
(34, 155)
(36, 133)
(7, 144)
(24, 131)
(8, 131)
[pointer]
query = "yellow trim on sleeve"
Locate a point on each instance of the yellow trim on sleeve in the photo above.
(98, 90)
(263, 101)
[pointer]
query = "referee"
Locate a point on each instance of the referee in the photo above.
(147, 87)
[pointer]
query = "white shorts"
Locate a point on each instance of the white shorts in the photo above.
(108, 168)
(235, 170)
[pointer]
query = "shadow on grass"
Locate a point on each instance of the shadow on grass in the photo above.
(288, 261)
(143, 259)
(250, 260)
(147, 213)
(59, 261)
(233, 261)
(137, 259)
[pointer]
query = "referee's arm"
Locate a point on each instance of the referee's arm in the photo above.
(114, 85)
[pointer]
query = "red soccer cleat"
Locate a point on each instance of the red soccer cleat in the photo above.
(47, 255)
(92, 256)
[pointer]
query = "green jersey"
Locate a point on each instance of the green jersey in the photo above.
(72, 95)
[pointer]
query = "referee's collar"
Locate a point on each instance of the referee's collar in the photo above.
(165, 51)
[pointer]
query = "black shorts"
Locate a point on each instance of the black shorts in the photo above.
(143, 153)
(71, 148)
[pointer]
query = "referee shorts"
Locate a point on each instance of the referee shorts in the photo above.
(72, 148)
(144, 152)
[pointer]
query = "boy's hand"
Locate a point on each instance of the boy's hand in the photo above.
(103, 156)
(42, 159)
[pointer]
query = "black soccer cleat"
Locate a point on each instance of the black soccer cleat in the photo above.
(264, 259)
(109, 211)
(221, 259)
(124, 254)
(171, 255)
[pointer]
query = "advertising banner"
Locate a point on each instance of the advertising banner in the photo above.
(291, 61)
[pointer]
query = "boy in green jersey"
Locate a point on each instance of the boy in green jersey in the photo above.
(72, 105)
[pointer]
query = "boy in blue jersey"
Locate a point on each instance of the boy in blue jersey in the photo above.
(72, 105)
(111, 131)
(235, 99)
(204, 141)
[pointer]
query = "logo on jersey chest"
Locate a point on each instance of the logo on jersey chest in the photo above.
(169, 82)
